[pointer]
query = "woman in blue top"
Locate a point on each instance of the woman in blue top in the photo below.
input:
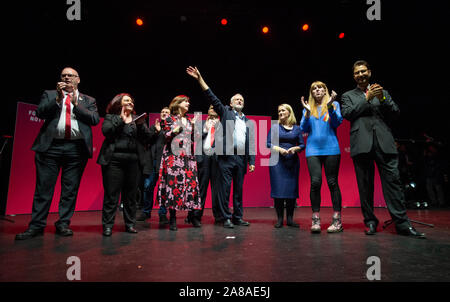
(285, 140)
(321, 117)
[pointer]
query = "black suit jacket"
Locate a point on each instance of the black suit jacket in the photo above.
(227, 113)
(155, 148)
(112, 127)
(368, 119)
(85, 112)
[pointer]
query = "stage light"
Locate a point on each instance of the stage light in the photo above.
(265, 30)
(139, 22)
(224, 21)
(305, 27)
(341, 36)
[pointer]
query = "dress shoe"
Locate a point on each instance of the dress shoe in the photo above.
(107, 232)
(410, 231)
(173, 227)
(163, 220)
(131, 230)
(30, 233)
(218, 221)
(371, 229)
(228, 224)
(241, 222)
(196, 222)
(278, 225)
(143, 217)
(64, 231)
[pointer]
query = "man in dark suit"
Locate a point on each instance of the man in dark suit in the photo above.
(207, 164)
(370, 108)
(233, 152)
(154, 152)
(64, 144)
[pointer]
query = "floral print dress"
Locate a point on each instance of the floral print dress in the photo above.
(178, 187)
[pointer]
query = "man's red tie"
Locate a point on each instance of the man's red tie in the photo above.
(68, 130)
(213, 129)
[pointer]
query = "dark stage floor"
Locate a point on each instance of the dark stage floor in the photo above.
(257, 253)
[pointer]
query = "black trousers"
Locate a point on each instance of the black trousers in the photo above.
(390, 181)
(70, 158)
(232, 169)
(207, 173)
(120, 181)
(331, 166)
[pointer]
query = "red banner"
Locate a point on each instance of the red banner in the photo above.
(90, 196)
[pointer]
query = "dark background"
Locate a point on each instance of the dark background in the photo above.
(407, 50)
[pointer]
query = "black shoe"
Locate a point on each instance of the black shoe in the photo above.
(64, 231)
(131, 230)
(218, 221)
(163, 220)
(143, 217)
(196, 222)
(173, 223)
(30, 233)
(290, 223)
(371, 229)
(107, 232)
(241, 222)
(278, 225)
(410, 231)
(228, 224)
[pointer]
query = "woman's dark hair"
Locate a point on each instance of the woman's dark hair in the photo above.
(115, 106)
(174, 105)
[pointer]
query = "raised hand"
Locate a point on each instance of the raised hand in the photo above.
(157, 125)
(305, 104)
(193, 72)
(332, 97)
(125, 115)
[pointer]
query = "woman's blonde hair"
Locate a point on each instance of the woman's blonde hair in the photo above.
(312, 102)
(174, 105)
(291, 119)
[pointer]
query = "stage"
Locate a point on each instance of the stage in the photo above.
(259, 253)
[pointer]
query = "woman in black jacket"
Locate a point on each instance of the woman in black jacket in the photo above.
(122, 157)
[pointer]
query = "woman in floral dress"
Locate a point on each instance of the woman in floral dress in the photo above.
(178, 188)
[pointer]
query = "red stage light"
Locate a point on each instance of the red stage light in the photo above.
(224, 21)
(265, 30)
(139, 22)
(341, 36)
(305, 27)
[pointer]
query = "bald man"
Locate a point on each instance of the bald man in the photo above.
(64, 144)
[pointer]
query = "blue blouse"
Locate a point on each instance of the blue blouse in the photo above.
(322, 139)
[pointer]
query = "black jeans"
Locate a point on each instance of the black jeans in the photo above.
(120, 180)
(331, 166)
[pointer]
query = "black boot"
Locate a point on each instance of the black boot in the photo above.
(173, 220)
(290, 207)
(279, 209)
(195, 218)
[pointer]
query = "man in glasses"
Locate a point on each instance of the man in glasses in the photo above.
(64, 143)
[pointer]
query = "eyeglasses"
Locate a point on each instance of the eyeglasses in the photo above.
(68, 75)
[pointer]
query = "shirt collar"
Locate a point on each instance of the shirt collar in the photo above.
(239, 116)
